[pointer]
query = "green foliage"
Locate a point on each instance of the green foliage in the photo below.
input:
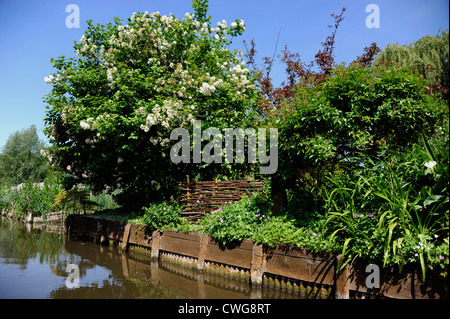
(239, 220)
(331, 127)
(104, 201)
(252, 218)
(201, 10)
(427, 57)
(35, 198)
(113, 106)
(162, 215)
(21, 160)
(360, 179)
(395, 209)
(285, 230)
(77, 199)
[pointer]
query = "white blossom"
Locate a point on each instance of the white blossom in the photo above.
(207, 89)
(430, 164)
(85, 125)
(49, 79)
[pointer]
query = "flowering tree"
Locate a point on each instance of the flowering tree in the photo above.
(113, 106)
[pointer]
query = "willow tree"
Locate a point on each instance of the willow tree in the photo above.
(427, 57)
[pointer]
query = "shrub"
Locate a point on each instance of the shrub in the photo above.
(77, 199)
(332, 127)
(239, 220)
(251, 218)
(113, 106)
(105, 201)
(162, 215)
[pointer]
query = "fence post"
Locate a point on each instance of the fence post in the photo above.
(215, 188)
(342, 281)
(126, 236)
(187, 178)
(156, 238)
(258, 265)
(204, 240)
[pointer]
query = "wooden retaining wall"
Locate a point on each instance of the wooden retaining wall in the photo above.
(289, 262)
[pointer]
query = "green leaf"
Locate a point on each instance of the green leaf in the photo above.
(431, 199)
(341, 263)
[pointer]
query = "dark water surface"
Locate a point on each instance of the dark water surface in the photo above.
(33, 264)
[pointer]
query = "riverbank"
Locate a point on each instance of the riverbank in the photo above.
(49, 218)
(260, 264)
(284, 268)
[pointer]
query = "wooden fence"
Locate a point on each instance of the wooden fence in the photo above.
(198, 198)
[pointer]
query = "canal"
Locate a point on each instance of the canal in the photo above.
(36, 264)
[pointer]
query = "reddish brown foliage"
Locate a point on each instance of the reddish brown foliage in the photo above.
(369, 53)
(299, 72)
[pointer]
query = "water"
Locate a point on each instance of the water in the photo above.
(33, 265)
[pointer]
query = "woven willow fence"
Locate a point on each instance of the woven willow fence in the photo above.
(198, 198)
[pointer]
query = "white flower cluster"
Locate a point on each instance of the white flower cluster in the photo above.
(84, 125)
(161, 114)
(53, 133)
(92, 124)
(52, 79)
(208, 89)
(47, 154)
(240, 25)
(238, 77)
(64, 114)
(154, 38)
(222, 24)
(49, 79)
(109, 74)
(88, 48)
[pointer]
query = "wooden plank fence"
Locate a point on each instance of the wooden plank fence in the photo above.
(198, 198)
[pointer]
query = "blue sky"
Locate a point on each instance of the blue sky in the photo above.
(34, 31)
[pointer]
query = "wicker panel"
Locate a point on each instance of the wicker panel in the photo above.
(202, 197)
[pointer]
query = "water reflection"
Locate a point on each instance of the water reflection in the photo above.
(33, 264)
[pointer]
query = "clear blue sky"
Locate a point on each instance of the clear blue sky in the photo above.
(34, 31)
